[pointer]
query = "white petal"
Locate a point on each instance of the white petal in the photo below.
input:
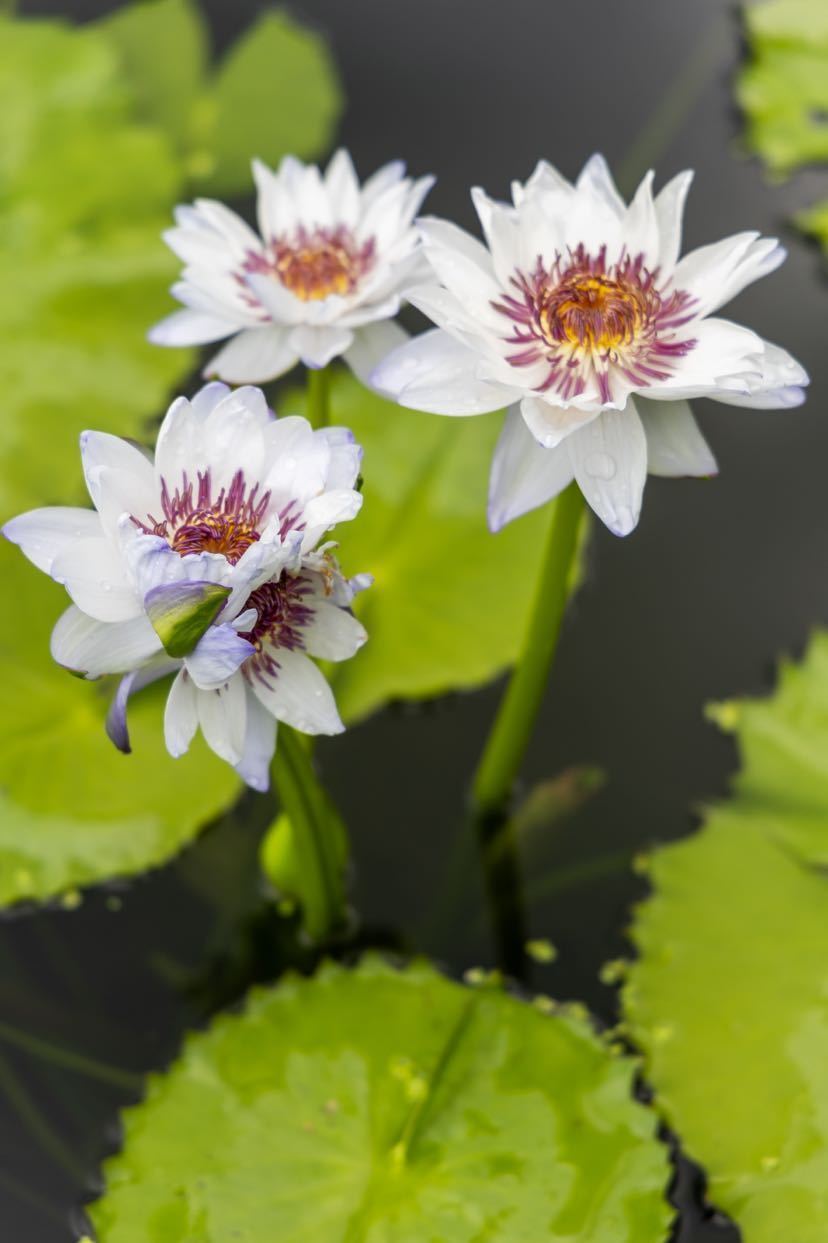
(714, 274)
(180, 715)
(500, 224)
(333, 633)
(277, 300)
(550, 424)
(190, 327)
(317, 346)
(345, 457)
(222, 715)
(609, 459)
(779, 384)
(675, 445)
(639, 228)
(325, 511)
(299, 695)
(43, 534)
(342, 185)
(461, 262)
(94, 574)
(596, 179)
(669, 209)
(371, 345)
(91, 647)
(524, 475)
(434, 372)
(218, 654)
(259, 745)
(254, 356)
(726, 358)
(135, 475)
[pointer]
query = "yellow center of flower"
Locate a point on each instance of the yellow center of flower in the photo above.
(593, 312)
(316, 271)
(207, 531)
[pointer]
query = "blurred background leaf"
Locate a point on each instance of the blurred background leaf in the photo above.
(783, 90)
(729, 999)
(374, 1100)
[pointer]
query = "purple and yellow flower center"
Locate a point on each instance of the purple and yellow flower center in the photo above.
(195, 521)
(583, 318)
(317, 263)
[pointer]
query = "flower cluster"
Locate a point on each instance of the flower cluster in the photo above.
(206, 562)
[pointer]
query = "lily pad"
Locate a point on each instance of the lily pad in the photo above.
(729, 1000)
(450, 600)
(276, 92)
(73, 809)
(373, 1105)
(783, 90)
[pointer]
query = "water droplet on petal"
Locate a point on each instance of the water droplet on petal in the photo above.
(600, 466)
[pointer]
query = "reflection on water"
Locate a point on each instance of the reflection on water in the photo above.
(718, 579)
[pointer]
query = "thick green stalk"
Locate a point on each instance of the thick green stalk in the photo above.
(509, 737)
(319, 397)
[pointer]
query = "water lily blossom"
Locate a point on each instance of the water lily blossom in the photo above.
(580, 315)
(206, 562)
(324, 276)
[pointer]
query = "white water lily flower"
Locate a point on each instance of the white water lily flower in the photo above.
(324, 276)
(581, 312)
(206, 562)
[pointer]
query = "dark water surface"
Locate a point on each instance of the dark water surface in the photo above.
(718, 580)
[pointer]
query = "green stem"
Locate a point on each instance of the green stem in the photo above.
(70, 1060)
(319, 397)
(509, 737)
(308, 808)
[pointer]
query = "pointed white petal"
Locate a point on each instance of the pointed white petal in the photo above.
(675, 445)
(332, 633)
(43, 534)
(94, 574)
(434, 372)
(222, 715)
(180, 715)
(91, 647)
(779, 384)
(317, 346)
(596, 179)
(259, 745)
(551, 424)
(609, 459)
(101, 451)
(279, 302)
(345, 457)
(669, 209)
(714, 274)
(190, 327)
(299, 695)
(524, 475)
(216, 657)
(253, 357)
(371, 345)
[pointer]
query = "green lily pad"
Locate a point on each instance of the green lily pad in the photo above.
(450, 600)
(73, 809)
(783, 91)
(374, 1105)
(276, 92)
(729, 999)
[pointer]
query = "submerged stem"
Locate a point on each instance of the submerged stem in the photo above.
(319, 397)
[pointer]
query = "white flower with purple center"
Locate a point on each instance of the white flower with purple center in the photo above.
(206, 562)
(581, 312)
(324, 276)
